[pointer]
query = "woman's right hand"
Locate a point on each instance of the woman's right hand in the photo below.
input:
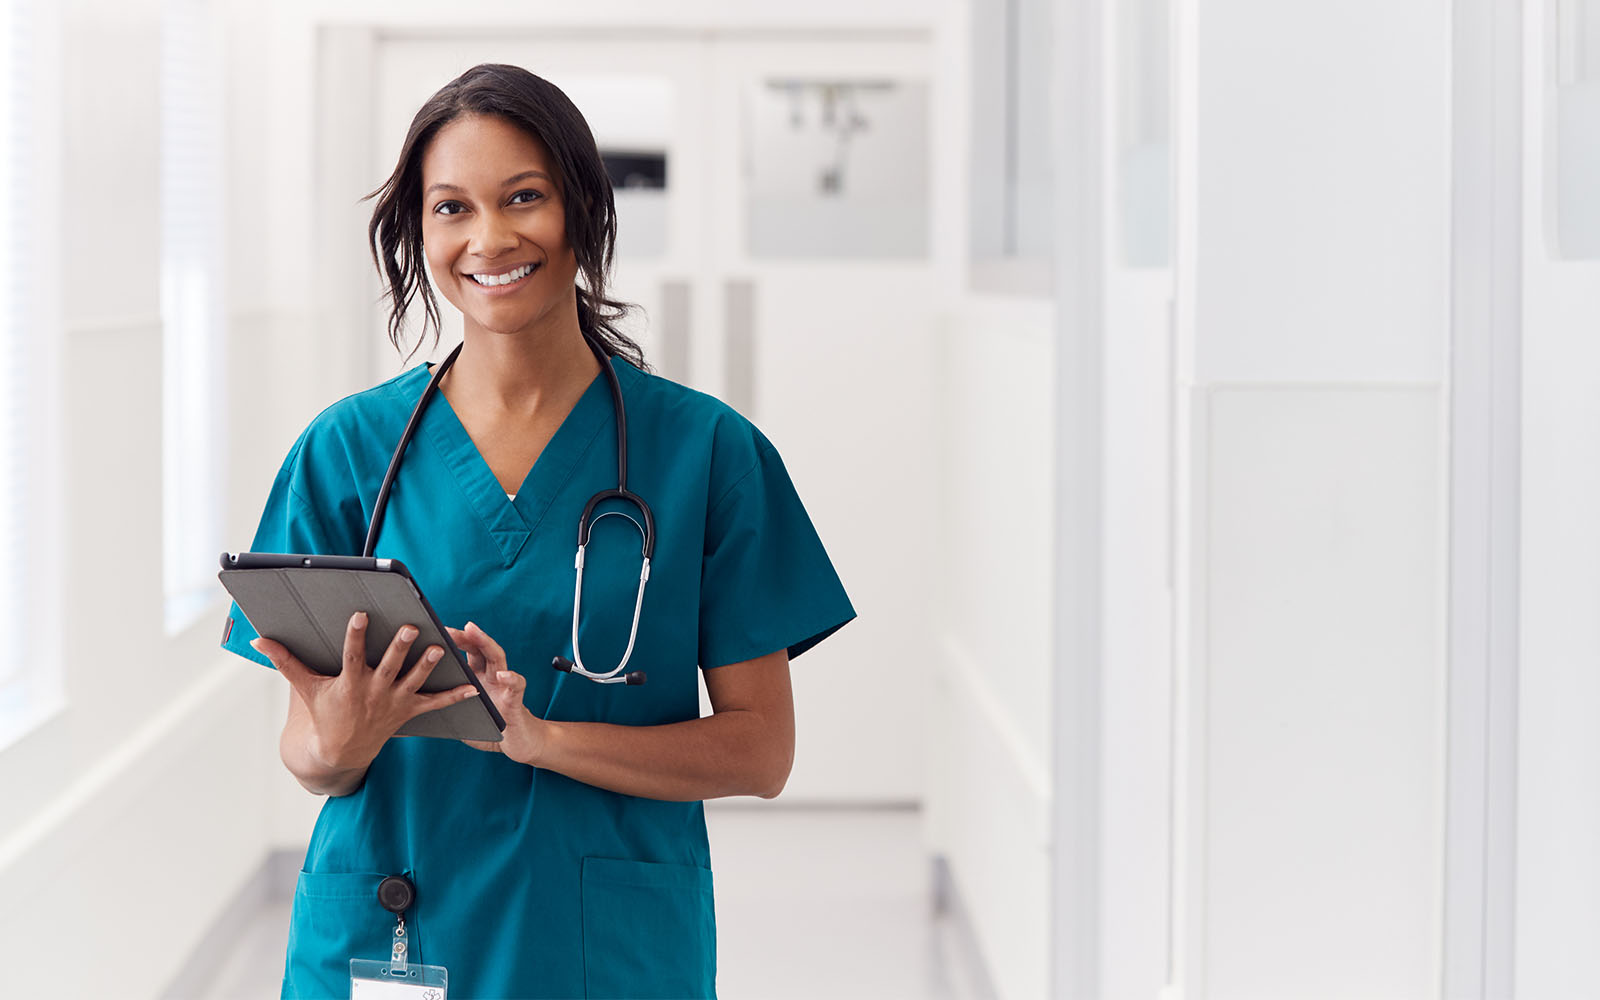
(350, 716)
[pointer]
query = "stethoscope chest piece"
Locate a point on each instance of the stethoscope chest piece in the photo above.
(622, 493)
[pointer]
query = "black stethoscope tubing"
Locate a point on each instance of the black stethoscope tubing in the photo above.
(585, 523)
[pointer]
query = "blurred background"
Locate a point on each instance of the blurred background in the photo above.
(1200, 400)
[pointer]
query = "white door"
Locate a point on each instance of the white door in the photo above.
(822, 259)
(785, 268)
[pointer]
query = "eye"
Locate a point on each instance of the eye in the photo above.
(532, 197)
(449, 208)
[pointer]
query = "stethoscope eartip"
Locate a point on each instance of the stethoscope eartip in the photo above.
(562, 664)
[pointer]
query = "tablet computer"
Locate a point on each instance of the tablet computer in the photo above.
(305, 602)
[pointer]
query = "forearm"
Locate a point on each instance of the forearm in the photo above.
(729, 753)
(315, 776)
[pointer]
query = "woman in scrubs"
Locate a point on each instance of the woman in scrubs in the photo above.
(571, 859)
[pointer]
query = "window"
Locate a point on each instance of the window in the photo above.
(836, 168)
(192, 308)
(1143, 158)
(1572, 130)
(30, 686)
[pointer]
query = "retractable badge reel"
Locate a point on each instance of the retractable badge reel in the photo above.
(396, 979)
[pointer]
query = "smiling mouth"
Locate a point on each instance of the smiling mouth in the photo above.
(511, 277)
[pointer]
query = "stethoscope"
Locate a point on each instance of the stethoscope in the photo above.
(585, 523)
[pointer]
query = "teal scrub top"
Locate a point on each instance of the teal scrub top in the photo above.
(531, 884)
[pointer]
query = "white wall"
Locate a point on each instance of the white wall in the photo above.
(988, 730)
(995, 789)
(1558, 812)
(988, 733)
(147, 785)
(1315, 264)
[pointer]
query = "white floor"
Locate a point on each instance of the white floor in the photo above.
(829, 903)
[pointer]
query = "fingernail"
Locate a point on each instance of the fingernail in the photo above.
(407, 634)
(467, 694)
(432, 656)
(358, 620)
(254, 645)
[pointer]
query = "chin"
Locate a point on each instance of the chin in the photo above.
(504, 323)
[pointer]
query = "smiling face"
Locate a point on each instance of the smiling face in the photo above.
(494, 227)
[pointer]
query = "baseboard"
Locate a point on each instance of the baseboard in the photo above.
(951, 910)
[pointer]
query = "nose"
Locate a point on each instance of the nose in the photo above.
(492, 235)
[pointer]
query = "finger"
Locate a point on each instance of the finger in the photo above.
(491, 649)
(296, 673)
(464, 642)
(513, 682)
(355, 645)
(418, 674)
(395, 656)
(443, 699)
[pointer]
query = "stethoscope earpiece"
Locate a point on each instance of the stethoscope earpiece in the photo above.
(632, 678)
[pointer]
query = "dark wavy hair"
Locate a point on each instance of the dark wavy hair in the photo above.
(540, 109)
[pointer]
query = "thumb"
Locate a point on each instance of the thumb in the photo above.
(287, 664)
(272, 649)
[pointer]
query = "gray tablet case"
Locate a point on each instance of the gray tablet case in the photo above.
(306, 603)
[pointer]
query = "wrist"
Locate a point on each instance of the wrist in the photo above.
(543, 743)
(336, 760)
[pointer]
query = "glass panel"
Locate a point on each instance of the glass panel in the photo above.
(836, 168)
(1144, 116)
(1574, 210)
(1011, 195)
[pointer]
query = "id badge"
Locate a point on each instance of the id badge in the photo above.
(371, 979)
(397, 979)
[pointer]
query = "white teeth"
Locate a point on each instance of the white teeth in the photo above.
(503, 279)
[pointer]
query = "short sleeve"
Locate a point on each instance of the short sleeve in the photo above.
(766, 582)
(290, 523)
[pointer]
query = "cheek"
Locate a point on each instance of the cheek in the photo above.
(551, 234)
(439, 270)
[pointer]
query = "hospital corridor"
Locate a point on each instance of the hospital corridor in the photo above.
(858, 499)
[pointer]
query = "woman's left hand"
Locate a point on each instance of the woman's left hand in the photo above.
(524, 735)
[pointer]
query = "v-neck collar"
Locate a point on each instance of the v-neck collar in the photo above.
(509, 522)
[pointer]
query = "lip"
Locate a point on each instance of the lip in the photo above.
(502, 289)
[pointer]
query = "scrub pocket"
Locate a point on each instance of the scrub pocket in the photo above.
(336, 917)
(649, 931)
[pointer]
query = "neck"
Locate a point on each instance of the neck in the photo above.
(520, 375)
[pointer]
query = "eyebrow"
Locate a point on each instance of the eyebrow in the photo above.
(505, 183)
